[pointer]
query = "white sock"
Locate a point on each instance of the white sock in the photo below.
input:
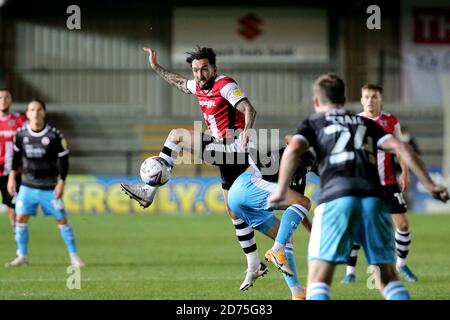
(252, 260)
(401, 262)
(350, 270)
(170, 152)
(277, 247)
(247, 241)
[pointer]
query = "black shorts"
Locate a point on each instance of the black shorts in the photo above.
(393, 195)
(227, 155)
(6, 197)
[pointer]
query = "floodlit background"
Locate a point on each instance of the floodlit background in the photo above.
(115, 112)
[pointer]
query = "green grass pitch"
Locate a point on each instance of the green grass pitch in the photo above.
(189, 257)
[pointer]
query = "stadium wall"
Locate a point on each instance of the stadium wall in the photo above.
(88, 194)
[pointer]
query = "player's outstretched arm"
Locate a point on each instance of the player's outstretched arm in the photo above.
(407, 154)
(174, 79)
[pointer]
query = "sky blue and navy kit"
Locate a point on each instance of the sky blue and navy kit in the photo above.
(350, 206)
(45, 158)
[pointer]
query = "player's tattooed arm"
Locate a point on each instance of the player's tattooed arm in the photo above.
(250, 115)
(174, 79)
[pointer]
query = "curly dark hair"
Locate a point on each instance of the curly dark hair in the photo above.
(202, 53)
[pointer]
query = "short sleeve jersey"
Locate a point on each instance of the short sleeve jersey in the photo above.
(346, 147)
(386, 165)
(218, 105)
(8, 128)
(40, 152)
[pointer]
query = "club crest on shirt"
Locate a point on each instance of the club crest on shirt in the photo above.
(45, 141)
(26, 140)
(12, 122)
(383, 123)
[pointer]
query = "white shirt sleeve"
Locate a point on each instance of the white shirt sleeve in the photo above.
(191, 85)
(233, 93)
(383, 139)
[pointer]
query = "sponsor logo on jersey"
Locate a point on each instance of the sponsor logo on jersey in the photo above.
(12, 123)
(7, 133)
(34, 152)
(207, 103)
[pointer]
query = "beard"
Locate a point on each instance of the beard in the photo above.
(206, 84)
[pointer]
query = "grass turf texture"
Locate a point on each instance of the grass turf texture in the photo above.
(189, 257)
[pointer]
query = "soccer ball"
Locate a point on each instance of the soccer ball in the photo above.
(155, 171)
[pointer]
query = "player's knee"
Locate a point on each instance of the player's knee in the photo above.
(231, 213)
(178, 135)
(303, 201)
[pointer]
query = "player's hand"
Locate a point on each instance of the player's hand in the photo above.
(440, 193)
(12, 187)
(275, 199)
(403, 181)
(151, 57)
(59, 189)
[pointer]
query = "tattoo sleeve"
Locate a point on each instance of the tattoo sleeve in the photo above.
(174, 79)
(249, 112)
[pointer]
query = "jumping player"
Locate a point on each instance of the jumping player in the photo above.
(229, 116)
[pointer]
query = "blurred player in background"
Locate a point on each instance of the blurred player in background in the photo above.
(229, 116)
(372, 102)
(248, 199)
(9, 123)
(350, 207)
(45, 156)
